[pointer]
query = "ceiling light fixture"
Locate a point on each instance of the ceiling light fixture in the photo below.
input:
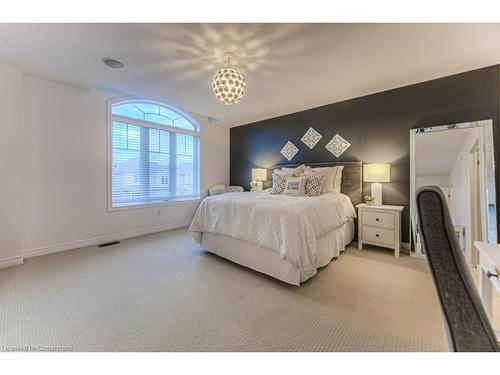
(228, 84)
(112, 63)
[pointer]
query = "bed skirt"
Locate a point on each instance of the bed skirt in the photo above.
(269, 262)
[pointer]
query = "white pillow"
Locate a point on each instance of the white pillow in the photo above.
(279, 172)
(217, 189)
(333, 177)
(295, 186)
(291, 171)
(337, 182)
(234, 189)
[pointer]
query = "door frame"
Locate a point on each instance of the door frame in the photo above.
(477, 193)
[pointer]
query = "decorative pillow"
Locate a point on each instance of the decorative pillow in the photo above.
(337, 182)
(279, 172)
(295, 186)
(297, 171)
(216, 189)
(290, 171)
(326, 173)
(279, 182)
(313, 185)
(330, 184)
(234, 189)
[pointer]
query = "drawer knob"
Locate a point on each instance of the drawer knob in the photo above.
(490, 275)
(377, 219)
(377, 236)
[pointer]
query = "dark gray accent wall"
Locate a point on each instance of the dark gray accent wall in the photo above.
(377, 126)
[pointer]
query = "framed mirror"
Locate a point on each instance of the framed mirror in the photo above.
(459, 158)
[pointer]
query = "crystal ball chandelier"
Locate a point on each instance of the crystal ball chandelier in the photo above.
(228, 84)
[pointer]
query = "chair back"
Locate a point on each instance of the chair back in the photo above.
(466, 322)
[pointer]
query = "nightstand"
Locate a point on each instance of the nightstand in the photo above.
(380, 226)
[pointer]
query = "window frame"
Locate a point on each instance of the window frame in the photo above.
(128, 120)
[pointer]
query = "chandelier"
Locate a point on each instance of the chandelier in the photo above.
(228, 84)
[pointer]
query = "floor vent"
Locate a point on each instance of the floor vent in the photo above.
(109, 244)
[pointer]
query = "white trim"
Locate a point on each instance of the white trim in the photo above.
(483, 219)
(483, 126)
(109, 155)
(412, 230)
(134, 99)
(29, 253)
(12, 261)
(152, 125)
(171, 202)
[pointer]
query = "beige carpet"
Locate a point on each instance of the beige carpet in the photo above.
(162, 293)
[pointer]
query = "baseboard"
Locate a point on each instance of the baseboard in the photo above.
(404, 245)
(30, 253)
(12, 261)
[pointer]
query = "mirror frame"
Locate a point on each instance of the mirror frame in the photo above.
(484, 125)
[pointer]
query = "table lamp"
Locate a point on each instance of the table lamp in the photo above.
(377, 173)
(258, 175)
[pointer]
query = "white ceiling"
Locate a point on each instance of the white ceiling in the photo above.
(436, 152)
(288, 67)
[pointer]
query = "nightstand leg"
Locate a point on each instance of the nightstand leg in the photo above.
(396, 252)
(360, 245)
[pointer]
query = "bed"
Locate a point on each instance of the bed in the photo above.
(285, 237)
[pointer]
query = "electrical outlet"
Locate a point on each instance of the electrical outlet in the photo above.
(159, 212)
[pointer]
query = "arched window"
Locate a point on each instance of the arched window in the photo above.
(155, 154)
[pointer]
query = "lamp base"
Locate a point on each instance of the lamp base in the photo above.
(256, 186)
(377, 193)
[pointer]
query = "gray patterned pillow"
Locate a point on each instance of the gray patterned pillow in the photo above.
(279, 182)
(314, 185)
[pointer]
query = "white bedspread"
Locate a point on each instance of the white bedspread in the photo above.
(288, 225)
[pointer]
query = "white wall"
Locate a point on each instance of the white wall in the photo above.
(441, 181)
(11, 163)
(459, 182)
(65, 192)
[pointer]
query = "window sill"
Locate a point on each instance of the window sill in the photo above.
(171, 202)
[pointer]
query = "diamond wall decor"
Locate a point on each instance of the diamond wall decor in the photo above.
(311, 137)
(289, 150)
(337, 145)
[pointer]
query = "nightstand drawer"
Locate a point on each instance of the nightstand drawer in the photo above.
(383, 236)
(378, 219)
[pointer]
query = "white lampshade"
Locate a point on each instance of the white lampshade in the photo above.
(377, 172)
(259, 174)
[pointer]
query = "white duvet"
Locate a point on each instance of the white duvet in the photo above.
(288, 225)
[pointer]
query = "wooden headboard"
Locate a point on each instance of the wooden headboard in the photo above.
(352, 177)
